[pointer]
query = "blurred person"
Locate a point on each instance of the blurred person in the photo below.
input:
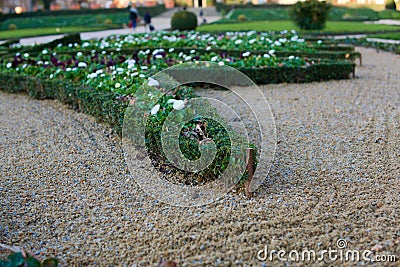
(147, 21)
(133, 16)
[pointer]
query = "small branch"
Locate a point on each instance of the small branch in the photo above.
(249, 167)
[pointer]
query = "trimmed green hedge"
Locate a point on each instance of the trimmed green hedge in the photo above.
(73, 18)
(394, 48)
(277, 12)
(102, 105)
(153, 11)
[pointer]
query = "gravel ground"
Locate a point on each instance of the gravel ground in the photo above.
(66, 191)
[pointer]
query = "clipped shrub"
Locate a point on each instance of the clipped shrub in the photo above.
(310, 14)
(183, 21)
(241, 17)
(390, 4)
(108, 22)
(12, 26)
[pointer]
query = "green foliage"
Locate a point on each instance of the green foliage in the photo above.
(12, 26)
(389, 14)
(353, 14)
(72, 18)
(259, 13)
(108, 22)
(390, 4)
(319, 72)
(241, 18)
(311, 14)
(184, 20)
(19, 259)
(283, 13)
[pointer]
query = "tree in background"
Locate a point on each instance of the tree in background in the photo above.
(310, 14)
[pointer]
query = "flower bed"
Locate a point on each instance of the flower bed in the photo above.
(101, 77)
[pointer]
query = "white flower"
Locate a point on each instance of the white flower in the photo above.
(9, 65)
(103, 52)
(171, 101)
(51, 76)
(291, 57)
(319, 42)
(221, 63)
(192, 51)
(215, 58)
(155, 109)
(82, 65)
(120, 70)
(44, 52)
(79, 54)
(271, 52)
(171, 50)
(208, 48)
(277, 43)
(26, 55)
(99, 71)
(267, 56)
(178, 104)
(54, 53)
(246, 54)
(142, 76)
(117, 85)
(153, 82)
(252, 41)
(187, 58)
(69, 45)
(92, 75)
(85, 44)
(238, 41)
(68, 69)
(144, 67)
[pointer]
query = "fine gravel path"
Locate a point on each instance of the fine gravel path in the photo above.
(66, 192)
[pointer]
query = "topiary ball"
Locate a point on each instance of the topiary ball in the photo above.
(184, 21)
(12, 26)
(241, 18)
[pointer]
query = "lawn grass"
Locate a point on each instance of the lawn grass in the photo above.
(392, 36)
(19, 33)
(336, 27)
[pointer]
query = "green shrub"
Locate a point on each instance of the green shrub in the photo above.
(390, 4)
(12, 27)
(352, 14)
(241, 17)
(311, 14)
(184, 20)
(108, 22)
